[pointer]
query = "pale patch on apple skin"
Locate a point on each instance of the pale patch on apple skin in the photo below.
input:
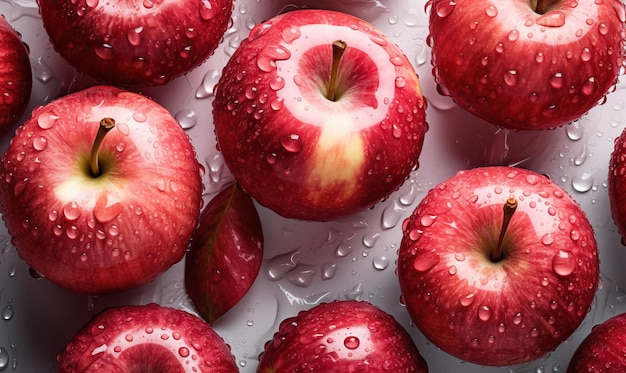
(339, 156)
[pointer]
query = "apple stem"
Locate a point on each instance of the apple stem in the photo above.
(508, 210)
(539, 7)
(106, 124)
(339, 47)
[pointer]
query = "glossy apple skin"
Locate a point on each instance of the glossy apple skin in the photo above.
(225, 254)
(295, 151)
(118, 230)
(617, 183)
(341, 336)
(503, 62)
(603, 349)
(135, 43)
(146, 338)
(16, 78)
(506, 312)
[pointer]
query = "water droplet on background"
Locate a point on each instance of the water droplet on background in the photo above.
(187, 118)
(4, 359)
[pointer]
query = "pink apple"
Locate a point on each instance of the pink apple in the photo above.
(319, 115)
(617, 184)
(498, 265)
(341, 336)
(527, 64)
(135, 43)
(16, 78)
(225, 254)
(603, 349)
(99, 214)
(147, 338)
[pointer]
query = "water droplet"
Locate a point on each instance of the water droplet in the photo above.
(134, 36)
(187, 118)
(551, 19)
(517, 318)
(329, 270)
(277, 83)
(590, 86)
(291, 143)
(484, 313)
(7, 312)
(444, 8)
(71, 211)
(574, 131)
(427, 220)
(259, 30)
(510, 78)
(547, 239)
(582, 183)
(42, 71)
(400, 82)
(556, 81)
(425, 260)
(183, 352)
(491, 11)
(291, 34)
(351, 342)
(513, 35)
(563, 263)
(343, 250)
(105, 52)
(207, 12)
(47, 119)
(391, 216)
(380, 262)
(206, 88)
(4, 359)
(266, 60)
(40, 143)
(467, 300)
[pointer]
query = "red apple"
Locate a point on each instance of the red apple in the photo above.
(225, 254)
(527, 64)
(135, 43)
(603, 349)
(148, 338)
(101, 215)
(498, 265)
(341, 336)
(617, 183)
(319, 115)
(16, 78)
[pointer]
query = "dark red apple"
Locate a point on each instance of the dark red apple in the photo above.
(225, 254)
(527, 64)
(147, 338)
(617, 183)
(341, 336)
(16, 79)
(135, 43)
(97, 212)
(603, 349)
(498, 265)
(319, 115)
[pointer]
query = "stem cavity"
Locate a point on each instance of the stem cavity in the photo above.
(106, 124)
(508, 210)
(539, 8)
(339, 47)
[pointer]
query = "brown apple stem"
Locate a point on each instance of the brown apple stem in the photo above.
(339, 47)
(539, 8)
(106, 124)
(508, 210)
